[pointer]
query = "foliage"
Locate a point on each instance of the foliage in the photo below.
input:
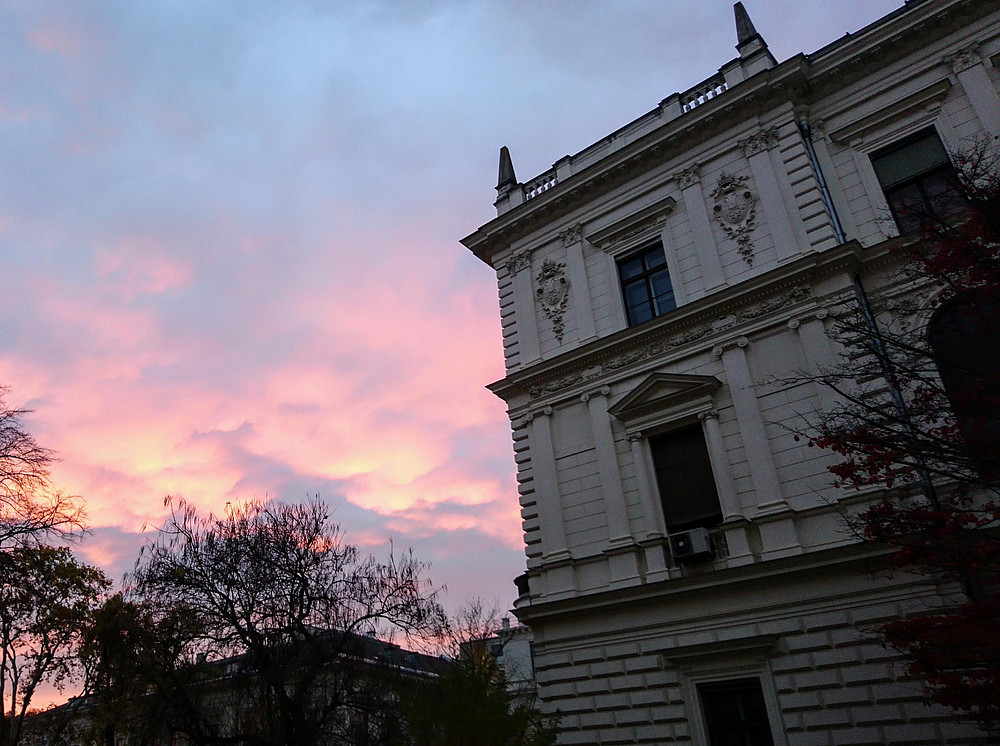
(46, 596)
(30, 507)
(270, 618)
(920, 413)
(471, 703)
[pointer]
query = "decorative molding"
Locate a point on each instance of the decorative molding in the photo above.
(517, 262)
(621, 231)
(927, 101)
(657, 349)
(572, 235)
(688, 177)
(553, 294)
(759, 141)
(663, 397)
(734, 209)
(711, 414)
(964, 59)
(741, 342)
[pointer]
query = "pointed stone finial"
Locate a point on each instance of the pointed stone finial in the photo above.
(506, 180)
(745, 30)
(754, 54)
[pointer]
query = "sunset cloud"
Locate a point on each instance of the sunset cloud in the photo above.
(229, 243)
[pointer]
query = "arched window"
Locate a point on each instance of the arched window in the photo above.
(965, 338)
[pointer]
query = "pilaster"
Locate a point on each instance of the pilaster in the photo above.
(701, 228)
(583, 306)
(519, 267)
(967, 65)
(757, 149)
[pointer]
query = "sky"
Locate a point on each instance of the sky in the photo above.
(229, 257)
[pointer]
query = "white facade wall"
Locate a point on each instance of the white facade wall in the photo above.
(623, 634)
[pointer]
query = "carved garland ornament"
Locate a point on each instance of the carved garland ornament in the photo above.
(734, 209)
(553, 294)
(678, 340)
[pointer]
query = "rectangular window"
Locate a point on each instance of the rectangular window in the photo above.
(646, 285)
(685, 480)
(918, 180)
(735, 713)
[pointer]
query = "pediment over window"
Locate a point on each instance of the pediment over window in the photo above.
(664, 397)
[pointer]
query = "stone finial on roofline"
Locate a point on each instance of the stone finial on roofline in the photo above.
(745, 30)
(754, 54)
(506, 180)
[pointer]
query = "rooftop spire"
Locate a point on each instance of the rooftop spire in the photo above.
(506, 178)
(745, 30)
(754, 54)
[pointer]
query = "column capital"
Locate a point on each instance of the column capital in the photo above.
(964, 59)
(758, 142)
(688, 177)
(572, 235)
(517, 262)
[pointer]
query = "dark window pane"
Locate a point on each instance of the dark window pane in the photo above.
(965, 338)
(646, 285)
(916, 156)
(916, 176)
(735, 713)
(942, 196)
(685, 480)
(638, 303)
(631, 268)
(663, 292)
(655, 258)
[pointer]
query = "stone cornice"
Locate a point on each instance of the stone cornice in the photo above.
(816, 561)
(705, 322)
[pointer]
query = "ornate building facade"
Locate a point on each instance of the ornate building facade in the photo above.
(689, 577)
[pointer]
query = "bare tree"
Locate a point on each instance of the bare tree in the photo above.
(31, 508)
(281, 620)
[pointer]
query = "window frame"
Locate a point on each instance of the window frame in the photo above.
(681, 426)
(641, 252)
(979, 435)
(718, 663)
(733, 686)
(920, 179)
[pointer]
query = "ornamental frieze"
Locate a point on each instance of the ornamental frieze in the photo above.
(553, 294)
(656, 349)
(735, 211)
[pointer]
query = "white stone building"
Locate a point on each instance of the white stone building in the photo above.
(688, 576)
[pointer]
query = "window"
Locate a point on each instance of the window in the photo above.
(646, 285)
(685, 480)
(917, 178)
(965, 338)
(735, 713)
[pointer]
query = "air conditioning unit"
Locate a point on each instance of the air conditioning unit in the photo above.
(693, 545)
